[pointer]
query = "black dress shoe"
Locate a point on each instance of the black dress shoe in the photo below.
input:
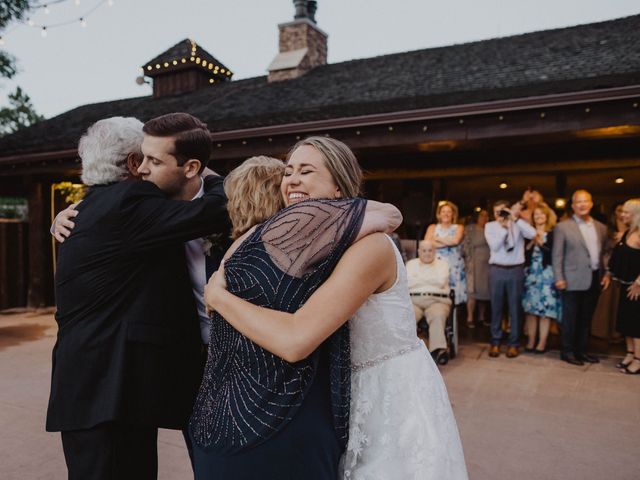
(588, 358)
(571, 359)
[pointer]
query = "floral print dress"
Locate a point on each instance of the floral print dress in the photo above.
(453, 256)
(540, 294)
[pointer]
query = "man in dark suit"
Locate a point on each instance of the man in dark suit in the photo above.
(128, 359)
(577, 267)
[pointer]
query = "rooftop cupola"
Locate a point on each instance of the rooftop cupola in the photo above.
(302, 46)
(183, 68)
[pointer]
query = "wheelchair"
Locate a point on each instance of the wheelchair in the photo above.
(450, 332)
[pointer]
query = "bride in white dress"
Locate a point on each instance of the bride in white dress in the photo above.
(401, 424)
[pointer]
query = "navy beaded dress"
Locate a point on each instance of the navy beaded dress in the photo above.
(257, 416)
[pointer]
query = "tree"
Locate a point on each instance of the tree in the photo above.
(10, 10)
(19, 114)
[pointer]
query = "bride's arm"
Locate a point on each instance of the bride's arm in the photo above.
(366, 267)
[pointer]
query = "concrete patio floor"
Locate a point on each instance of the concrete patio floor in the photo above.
(532, 417)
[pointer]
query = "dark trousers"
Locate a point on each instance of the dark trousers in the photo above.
(577, 311)
(509, 282)
(111, 451)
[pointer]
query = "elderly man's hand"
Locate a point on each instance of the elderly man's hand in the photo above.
(62, 224)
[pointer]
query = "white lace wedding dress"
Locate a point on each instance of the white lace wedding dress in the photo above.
(401, 423)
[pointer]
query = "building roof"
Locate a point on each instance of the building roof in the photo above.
(584, 57)
(186, 54)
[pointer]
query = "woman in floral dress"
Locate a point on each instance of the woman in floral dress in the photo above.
(447, 236)
(541, 301)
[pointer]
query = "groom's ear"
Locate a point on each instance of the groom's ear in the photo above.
(191, 167)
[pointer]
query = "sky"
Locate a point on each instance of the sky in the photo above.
(75, 65)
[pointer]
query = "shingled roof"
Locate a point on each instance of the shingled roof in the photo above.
(187, 53)
(584, 57)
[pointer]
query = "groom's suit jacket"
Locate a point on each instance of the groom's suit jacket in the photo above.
(128, 346)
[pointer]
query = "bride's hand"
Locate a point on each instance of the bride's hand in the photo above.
(212, 289)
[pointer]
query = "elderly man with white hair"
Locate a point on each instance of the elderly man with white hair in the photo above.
(127, 360)
(428, 278)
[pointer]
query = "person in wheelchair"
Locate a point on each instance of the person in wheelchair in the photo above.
(428, 279)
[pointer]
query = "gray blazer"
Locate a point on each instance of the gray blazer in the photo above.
(570, 257)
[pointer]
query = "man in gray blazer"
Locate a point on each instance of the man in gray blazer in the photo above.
(577, 267)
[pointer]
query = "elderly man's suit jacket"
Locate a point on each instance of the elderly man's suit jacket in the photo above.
(128, 344)
(570, 257)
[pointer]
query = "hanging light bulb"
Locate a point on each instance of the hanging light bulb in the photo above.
(46, 10)
(110, 3)
(77, 2)
(1, 41)
(30, 22)
(43, 32)
(83, 23)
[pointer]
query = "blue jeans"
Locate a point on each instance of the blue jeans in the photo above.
(507, 281)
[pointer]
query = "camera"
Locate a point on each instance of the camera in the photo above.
(504, 213)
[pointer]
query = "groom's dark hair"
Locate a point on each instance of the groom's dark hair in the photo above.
(192, 136)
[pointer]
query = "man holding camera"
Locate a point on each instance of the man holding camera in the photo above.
(505, 236)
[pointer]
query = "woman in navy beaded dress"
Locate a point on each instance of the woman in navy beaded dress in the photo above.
(258, 415)
(390, 399)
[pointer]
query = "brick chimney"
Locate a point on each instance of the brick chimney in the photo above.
(303, 46)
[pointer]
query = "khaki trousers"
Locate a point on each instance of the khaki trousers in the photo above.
(435, 310)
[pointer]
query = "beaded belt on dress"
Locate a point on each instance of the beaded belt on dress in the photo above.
(376, 361)
(429, 294)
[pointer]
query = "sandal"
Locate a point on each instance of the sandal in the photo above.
(622, 364)
(471, 324)
(630, 372)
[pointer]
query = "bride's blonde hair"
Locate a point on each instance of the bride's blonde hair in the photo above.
(253, 192)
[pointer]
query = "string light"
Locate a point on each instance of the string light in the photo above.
(207, 65)
(44, 28)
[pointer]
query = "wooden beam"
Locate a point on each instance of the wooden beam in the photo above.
(514, 168)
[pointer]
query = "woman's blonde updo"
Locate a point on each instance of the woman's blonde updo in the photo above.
(253, 192)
